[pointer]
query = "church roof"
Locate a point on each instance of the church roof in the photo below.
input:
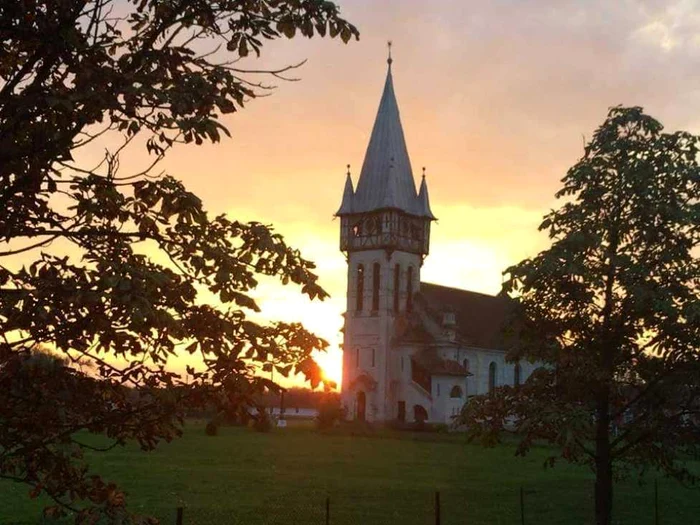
(480, 318)
(424, 200)
(386, 178)
(437, 366)
(346, 206)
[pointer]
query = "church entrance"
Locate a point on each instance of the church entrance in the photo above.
(420, 414)
(361, 405)
(402, 412)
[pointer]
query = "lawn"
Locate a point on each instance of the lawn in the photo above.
(284, 477)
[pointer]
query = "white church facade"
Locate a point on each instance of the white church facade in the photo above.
(412, 351)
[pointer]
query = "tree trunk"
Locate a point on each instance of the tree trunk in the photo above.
(603, 471)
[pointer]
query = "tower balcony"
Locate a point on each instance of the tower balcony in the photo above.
(390, 230)
(389, 241)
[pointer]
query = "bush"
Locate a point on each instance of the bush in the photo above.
(262, 422)
(236, 416)
(212, 428)
(330, 412)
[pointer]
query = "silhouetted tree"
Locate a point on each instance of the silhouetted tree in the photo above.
(612, 311)
(108, 268)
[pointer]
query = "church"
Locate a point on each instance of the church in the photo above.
(412, 351)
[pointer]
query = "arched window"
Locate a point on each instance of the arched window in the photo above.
(492, 376)
(456, 392)
(376, 276)
(465, 364)
(409, 289)
(420, 414)
(516, 375)
(373, 357)
(360, 287)
(357, 358)
(397, 287)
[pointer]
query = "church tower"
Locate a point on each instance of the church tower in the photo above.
(385, 234)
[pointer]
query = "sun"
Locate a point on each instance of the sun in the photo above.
(331, 363)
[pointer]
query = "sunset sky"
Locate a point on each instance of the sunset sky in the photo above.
(496, 101)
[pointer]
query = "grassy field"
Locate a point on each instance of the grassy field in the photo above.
(284, 477)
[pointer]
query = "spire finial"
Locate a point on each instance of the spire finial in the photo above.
(423, 171)
(389, 60)
(348, 170)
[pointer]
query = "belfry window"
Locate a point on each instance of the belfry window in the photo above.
(376, 276)
(415, 231)
(397, 287)
(374, 225)
(360, 287)
(409, 289)
(373, 357)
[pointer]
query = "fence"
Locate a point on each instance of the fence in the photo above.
(525, 506)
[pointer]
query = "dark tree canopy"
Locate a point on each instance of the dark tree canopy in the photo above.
(108, 268)
(612, 311)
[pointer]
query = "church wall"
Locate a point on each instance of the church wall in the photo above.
(439, 405)
(479, 360)
(369, 330)
(407, 390)
(443, 405)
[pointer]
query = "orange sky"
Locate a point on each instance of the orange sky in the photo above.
(496, 99)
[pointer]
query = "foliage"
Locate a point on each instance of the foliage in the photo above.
(297, 397)
(612, 311)
(212, 428)
(330, 411)
(262, 421)
(113, 269)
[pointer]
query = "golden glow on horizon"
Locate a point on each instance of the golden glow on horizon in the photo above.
(494, 99)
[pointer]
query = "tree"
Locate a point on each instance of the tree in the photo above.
(612, 311)
(109, 268)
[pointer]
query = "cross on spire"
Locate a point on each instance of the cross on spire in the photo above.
(389, 60)
(386, 179)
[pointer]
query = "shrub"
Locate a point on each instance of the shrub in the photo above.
(212, 428)
(262, 422)
(330, 412)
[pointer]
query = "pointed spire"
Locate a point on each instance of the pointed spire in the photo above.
(424, 200)
(386, 149)
(391, 188)
(346, 206)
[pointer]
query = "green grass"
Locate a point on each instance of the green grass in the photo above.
(243, 477)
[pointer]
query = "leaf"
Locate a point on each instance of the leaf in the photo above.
(243, 48)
